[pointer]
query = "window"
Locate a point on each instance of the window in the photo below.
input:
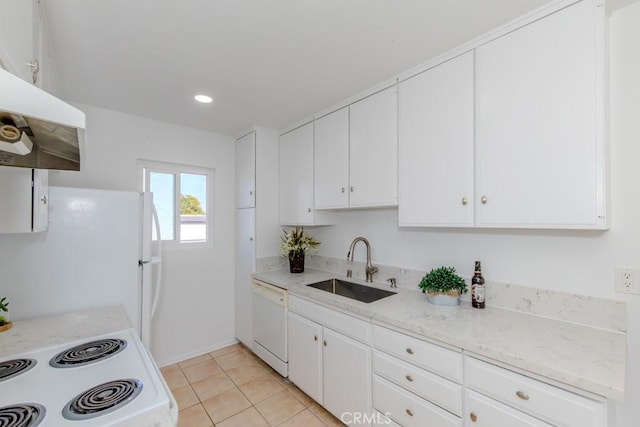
(183, 198)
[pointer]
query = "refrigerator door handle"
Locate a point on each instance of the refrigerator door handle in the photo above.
(157, 261)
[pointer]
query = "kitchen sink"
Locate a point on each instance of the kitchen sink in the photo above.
(352, 290)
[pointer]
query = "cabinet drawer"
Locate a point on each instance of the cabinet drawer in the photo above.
(432, 387)
(485, 412)
(408, 409)
(432, 357)
(557, 406)
(345, 324)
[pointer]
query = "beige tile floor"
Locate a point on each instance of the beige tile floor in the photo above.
(233, 387)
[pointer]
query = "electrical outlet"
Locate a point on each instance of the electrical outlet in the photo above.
(628, 280)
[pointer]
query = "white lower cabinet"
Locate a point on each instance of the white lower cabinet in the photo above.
(332, 368)
(305, 355)
(346, 366)
(422, 389)
(407, 409)
(374, 375)
(545, 402)
(486, 412)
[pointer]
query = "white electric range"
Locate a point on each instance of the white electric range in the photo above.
(107, 380)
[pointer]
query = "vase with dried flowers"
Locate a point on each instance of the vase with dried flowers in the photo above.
(295, 244)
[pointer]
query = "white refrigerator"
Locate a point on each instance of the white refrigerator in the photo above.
(96, 252)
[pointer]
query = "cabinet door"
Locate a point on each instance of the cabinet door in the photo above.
(347, 375)
(540, 159)
(373, 150)
(16, 198)
(331, 160)
(305, 355)
(17, 35)
(245, 266)
(436, 145)
(296, 176)
(246, 171)
(40, 200)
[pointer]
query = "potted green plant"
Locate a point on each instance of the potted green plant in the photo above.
(295, 244)
(4, 323)
(443, 286)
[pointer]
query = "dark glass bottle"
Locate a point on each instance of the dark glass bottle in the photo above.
(477, 287)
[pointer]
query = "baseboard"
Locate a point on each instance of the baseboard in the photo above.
(185, 356)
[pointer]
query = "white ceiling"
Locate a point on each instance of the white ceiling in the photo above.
(265, 62)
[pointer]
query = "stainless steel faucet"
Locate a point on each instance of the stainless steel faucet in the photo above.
(370, 269)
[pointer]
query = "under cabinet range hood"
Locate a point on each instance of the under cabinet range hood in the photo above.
(37, 130)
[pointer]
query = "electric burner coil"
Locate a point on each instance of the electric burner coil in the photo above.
(15, 367)
(88, 353)
(22, 415)
(102, 399)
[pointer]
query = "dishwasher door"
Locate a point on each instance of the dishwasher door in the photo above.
(270, 318)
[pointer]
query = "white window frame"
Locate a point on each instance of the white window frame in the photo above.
(145, 167)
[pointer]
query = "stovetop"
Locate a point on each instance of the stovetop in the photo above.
(115, 372)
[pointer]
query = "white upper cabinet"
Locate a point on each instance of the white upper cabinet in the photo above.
(435, 127)
(296, 176)
(373, 150)
(24, 200)
(20, 38)
(246, 171)
(331, 160)
(540, 146)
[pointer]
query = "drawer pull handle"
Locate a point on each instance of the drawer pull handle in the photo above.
(473, 417)
(410, 351)
(325, 343)
(409, 412)
(315, 338)
(522, 395)
(409, 378)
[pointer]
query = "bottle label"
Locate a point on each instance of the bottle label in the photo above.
(479, 293)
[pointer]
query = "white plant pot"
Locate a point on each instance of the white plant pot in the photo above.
(441, 298)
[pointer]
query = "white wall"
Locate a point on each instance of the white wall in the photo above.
(573, 261)
(195, 314)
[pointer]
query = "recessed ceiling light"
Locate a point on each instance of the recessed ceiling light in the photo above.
(204, 99)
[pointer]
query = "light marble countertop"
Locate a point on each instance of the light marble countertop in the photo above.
(41, 332)
(580, 356)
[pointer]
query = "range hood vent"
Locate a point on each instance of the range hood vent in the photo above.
(37, 130)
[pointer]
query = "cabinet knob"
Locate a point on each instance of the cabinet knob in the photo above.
(251, 239)
(351, 188)
(315, 338)
(324, 342)
(409, 378)
(522, 395)
(44, 199)
(484, 200)
(465, 201)
(251, 193)
(309, 210)
(473, 417)
(343, 189)
(409, 412)
(410, 350)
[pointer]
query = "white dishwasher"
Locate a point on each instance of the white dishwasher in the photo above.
(270, 325)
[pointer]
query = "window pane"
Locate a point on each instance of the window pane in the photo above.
(163, 185)
(193, 205)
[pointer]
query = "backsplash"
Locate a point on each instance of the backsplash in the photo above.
(585, 310)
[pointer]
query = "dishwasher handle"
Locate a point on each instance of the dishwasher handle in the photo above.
(269, 292)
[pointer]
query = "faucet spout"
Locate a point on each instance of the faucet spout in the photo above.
(370, 269)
